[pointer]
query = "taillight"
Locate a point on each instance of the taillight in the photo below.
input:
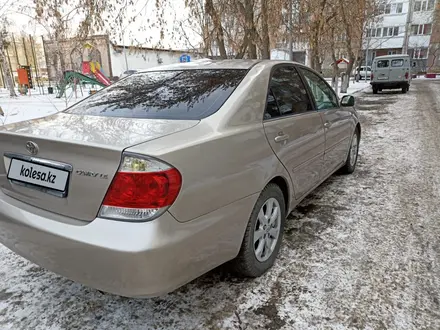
(142, 189)
(406, 75)
(372, 76)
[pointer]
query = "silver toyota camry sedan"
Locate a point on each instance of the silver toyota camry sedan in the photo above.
(168, 173)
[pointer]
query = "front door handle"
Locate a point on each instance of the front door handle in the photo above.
(281, 138)
(327, 124)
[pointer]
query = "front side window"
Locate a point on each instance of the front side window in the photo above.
(287, 94)
(322, 93)
(181, 94)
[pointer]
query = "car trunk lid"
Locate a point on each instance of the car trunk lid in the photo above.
(74, 158)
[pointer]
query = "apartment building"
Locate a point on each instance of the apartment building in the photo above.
(405, 26)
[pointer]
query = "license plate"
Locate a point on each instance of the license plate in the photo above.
(38, 175)
(382, 78)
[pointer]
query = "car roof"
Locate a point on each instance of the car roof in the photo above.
(219, 64)
(391, 56)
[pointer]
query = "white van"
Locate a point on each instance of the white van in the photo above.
(391, 72)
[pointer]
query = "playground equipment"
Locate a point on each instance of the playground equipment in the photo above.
(24, 79)
(95, 69)
(72, 78)
(89, 68)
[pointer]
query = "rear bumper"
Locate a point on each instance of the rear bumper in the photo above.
(390, 84)
(128, 259)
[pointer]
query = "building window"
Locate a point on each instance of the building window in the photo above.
(395, 8)
(378, 32)
(427, 28)
(420, 53)
(396, 31)
(417, 6)
(421, 29)
(414, 30)
(424, 5)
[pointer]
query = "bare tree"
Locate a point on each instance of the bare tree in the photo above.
(4, 65)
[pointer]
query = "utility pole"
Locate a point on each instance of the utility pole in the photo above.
(408, 26)
(290, 13)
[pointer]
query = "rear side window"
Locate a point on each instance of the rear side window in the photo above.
(397, 63)
(184, 94)
(287, 94)
(383, 64)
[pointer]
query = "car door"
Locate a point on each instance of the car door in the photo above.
(294, 129)
(382, 70)
(338, 123)
(398, 68)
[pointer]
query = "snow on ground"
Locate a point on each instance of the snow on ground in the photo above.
(362, 252)
(25, 107)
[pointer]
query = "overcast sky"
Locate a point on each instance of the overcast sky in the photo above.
(140, 32)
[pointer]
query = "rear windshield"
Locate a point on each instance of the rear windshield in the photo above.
(397, 63)
(382, 64)
(184, 94)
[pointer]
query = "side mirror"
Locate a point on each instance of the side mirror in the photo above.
(347, 101)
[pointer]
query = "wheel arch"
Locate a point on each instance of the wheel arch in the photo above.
(358, 128)
(281, 182)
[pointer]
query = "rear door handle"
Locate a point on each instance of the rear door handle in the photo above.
(281, 138)
(327, 124)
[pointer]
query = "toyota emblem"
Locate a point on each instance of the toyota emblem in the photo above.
(32, 147)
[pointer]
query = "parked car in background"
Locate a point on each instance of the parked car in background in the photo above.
(171, 172)
(391, 72)
(127, 73)
(362, 72)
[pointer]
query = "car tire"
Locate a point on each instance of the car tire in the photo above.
(350, 163)
(251, 260)
(375, 90)
(404, 90)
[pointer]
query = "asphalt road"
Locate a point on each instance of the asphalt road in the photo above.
(361, 253)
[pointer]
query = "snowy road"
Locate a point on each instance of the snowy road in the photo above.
(361, 253)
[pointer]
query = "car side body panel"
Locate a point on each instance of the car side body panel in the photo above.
(226, 157)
